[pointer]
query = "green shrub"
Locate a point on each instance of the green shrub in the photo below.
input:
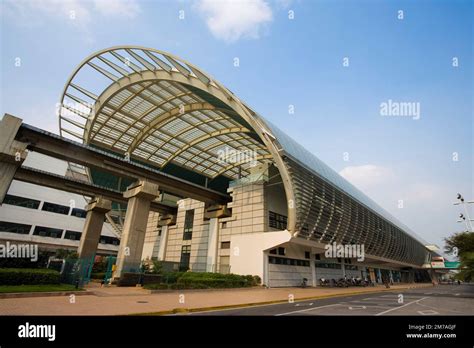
(28, 276)
(171, 277)
(203, 280)
(157, 286)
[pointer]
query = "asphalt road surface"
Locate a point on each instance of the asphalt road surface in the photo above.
(439, 300)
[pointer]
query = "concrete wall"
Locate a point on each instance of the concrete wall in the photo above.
(198, 259)
(152, 238)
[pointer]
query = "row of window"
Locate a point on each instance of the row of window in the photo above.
(285, 261)
(47, 206)
(43, 231)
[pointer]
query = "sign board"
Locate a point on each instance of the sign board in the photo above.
(452, 264)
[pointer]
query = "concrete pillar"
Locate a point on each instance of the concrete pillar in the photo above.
(343, 267)
(96, 210)
(212, 245)
(265, 279)
(312, 261)
(12, 152)
(214, 213)
(165, 222)
(130, 252)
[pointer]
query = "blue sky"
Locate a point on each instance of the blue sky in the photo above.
(286, 62)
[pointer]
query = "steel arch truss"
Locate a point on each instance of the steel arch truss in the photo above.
(159, 121)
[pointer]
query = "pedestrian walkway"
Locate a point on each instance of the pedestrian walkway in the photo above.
(123, 301)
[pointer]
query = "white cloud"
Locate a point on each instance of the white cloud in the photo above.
(366, 176)
(230, 20)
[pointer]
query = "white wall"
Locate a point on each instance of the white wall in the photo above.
(246, 254)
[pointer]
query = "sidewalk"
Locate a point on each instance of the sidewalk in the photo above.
(123, 301)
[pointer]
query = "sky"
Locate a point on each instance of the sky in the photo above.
(334, 63)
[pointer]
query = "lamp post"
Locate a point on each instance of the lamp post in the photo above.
(464, 218)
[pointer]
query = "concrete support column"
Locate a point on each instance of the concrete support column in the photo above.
(130, 252)
(165, 222)
(343, 267)
(12, 152)
(265, 279)
(214, 213)
(96, 210)
(212, 245)
(312, 261)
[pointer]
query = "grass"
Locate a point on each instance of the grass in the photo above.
(37, 288)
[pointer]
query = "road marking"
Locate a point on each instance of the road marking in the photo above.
(357, 307)
(307, 309)
(428, 312)
(457, 294)
(303, 304)
(396, 308)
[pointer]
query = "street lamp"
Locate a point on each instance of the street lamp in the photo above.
(464, 218)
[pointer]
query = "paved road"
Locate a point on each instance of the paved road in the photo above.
(439, 300)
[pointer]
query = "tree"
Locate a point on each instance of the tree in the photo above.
(463, 244)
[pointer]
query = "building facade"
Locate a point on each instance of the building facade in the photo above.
(50, 218)
(280, 209)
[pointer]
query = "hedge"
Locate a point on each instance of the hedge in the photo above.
(28, 276)
(195, 280)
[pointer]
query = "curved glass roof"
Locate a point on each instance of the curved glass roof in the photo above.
(165, 112)
(164, 123)
(307, 159)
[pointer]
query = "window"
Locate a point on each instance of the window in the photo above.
(109, 240)
(188, 225)
(281, 251)
(185, 257)
(277, 221)
(307, 255)
(21, 201)
(55, 208)
(48, 232)
(224, 224)
(273, 251)
(225, 245)
(81, 213)
(318, 257)
(13, 227)
(72, 235)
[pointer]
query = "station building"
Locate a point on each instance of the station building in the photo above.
(283, 206)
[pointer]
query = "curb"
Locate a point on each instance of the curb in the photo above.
(256, 304)
(43, 294)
